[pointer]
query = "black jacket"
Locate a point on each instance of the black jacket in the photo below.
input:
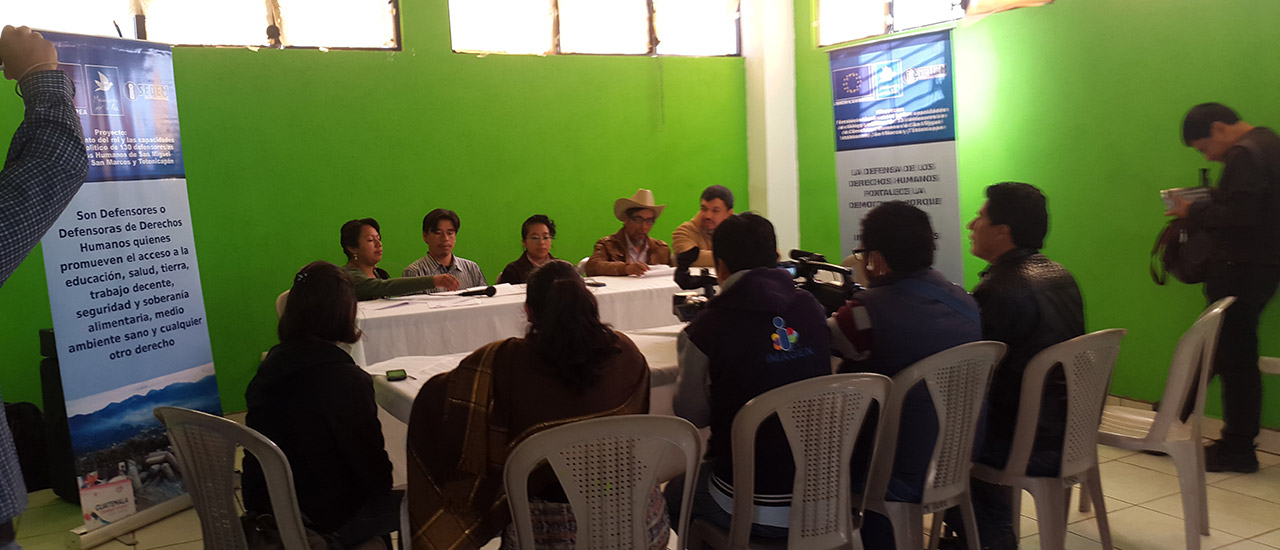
(312, 400)
(1029, 302)
(1243, 219)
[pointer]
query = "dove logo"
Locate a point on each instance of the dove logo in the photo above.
(104, 99)
(102, 83)
(888, 79)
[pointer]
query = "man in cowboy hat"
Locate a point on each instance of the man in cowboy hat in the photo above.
(631, 250)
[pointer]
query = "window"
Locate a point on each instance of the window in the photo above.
(224, 23)
(362, 23)
(845, 20)
(628, 27)
(95, 17)
(302, 23)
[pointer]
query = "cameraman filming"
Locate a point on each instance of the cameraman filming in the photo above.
(916, 312)
(759, 333)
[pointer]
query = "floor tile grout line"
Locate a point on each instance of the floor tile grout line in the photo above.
(1264, 534)
(1211, 527)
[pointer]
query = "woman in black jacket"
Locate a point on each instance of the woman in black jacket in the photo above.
(311, 399)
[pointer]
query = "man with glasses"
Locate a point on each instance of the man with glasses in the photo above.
(1242, 218)
(916, 313)
(631, 250)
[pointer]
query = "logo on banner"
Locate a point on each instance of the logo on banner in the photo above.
(888, 79)
(916, 74)
(854, 85)
(81, 99)
(153, 91)
(105, 97)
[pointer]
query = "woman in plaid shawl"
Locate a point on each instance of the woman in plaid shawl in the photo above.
(569, 366)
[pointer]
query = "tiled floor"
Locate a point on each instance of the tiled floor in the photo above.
(1143, 507)
(1145, 510)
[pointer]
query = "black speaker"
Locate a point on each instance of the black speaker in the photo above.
(62, 464)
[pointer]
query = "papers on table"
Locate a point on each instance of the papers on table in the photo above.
(659, 271)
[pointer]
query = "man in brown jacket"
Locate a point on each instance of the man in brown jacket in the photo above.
(716, 206)
(631, 250)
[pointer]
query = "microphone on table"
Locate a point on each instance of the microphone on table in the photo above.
(486, 291)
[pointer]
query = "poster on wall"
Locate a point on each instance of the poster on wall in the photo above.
(895, 137)
(124, 284)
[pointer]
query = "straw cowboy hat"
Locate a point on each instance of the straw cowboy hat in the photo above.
(642, 199)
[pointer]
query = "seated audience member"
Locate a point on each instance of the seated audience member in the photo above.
(440, 231)
(759, 333)
(909, 311)
(569, 366)
(1029, 302)
(715, 205)
(362, 243)
(311, 399)
(535, 236)
(631, 250)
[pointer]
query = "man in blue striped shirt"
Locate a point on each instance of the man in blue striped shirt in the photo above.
(44, 169)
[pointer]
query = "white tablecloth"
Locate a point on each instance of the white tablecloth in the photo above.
(432, 325)
(395, 399)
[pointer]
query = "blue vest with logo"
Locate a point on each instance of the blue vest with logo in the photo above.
(915, 316)
(759, 334)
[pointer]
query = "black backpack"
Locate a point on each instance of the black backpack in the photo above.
(1181, 250)
(26, 423)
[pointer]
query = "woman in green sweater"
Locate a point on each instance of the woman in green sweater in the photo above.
(362, 243)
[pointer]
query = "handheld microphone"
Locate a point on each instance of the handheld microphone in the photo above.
(797, 254)
(486, 291)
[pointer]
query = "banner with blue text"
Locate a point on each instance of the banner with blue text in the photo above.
(124, 285)
(895, 137)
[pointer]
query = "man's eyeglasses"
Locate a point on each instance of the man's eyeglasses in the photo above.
(540, 238)
(643, 220)
(860, 254)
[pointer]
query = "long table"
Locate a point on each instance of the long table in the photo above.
(435, 325)
(395, 399)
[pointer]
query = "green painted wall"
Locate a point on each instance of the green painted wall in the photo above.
(282, 147)
(1085, 99)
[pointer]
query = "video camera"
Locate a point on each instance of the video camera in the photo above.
(832, 291)
(686, 305)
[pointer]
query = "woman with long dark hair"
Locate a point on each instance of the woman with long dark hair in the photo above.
(311, 399)
(569, 366)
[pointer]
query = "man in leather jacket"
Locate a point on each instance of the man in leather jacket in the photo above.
(1242, 219)
(1029, 302)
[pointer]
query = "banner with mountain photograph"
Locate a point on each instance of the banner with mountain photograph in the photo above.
(124, 284)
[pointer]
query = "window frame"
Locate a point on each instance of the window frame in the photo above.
(651, 51)
(890, 32)
(140, 33)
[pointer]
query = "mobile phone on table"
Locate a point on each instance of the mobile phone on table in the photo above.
(397, 375)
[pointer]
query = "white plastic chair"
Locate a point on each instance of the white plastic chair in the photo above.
(206, 448)
(582, 266)
(1163, 430)
(957, 381)
(1087, 362)
(821, 417)
(607, 468)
